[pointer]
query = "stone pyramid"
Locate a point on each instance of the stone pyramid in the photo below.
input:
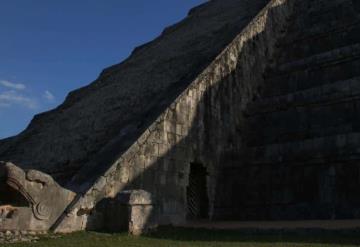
(246, 109)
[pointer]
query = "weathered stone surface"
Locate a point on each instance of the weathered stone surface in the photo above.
(97, 123)
(135, 197)
(33, 200)
(130, 210)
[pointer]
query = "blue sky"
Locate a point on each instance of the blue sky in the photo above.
(50, 47)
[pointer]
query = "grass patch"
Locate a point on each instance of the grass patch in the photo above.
(169, 236)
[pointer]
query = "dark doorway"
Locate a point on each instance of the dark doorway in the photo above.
(197, 197)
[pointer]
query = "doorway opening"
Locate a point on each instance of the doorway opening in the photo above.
(196, 193)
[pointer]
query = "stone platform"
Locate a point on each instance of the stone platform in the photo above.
(275, 225)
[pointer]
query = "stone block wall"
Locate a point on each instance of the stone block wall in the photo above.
(202, 125)
(301, 135)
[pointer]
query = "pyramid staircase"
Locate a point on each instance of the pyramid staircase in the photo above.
(303, 130)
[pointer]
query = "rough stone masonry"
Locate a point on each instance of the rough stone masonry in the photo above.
(246, 109)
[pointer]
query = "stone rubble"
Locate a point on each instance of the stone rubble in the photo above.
(20, 236)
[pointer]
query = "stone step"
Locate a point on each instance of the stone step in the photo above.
(300, 33)
(317, 7)
(325, 68)
(336, 148)
(338, 91)
(324, 12)
(322, 59)
(305, 21)
(300, 123)
(320, 40)
(316, 4)
(274, 135)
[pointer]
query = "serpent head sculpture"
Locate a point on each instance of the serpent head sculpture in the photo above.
(45, 200)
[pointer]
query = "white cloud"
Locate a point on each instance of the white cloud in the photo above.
(12, 97)
(11, 85)
(18, 95)
(49, 96)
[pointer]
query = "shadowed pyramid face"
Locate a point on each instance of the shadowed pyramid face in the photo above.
(356, 3)
(31, 199)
